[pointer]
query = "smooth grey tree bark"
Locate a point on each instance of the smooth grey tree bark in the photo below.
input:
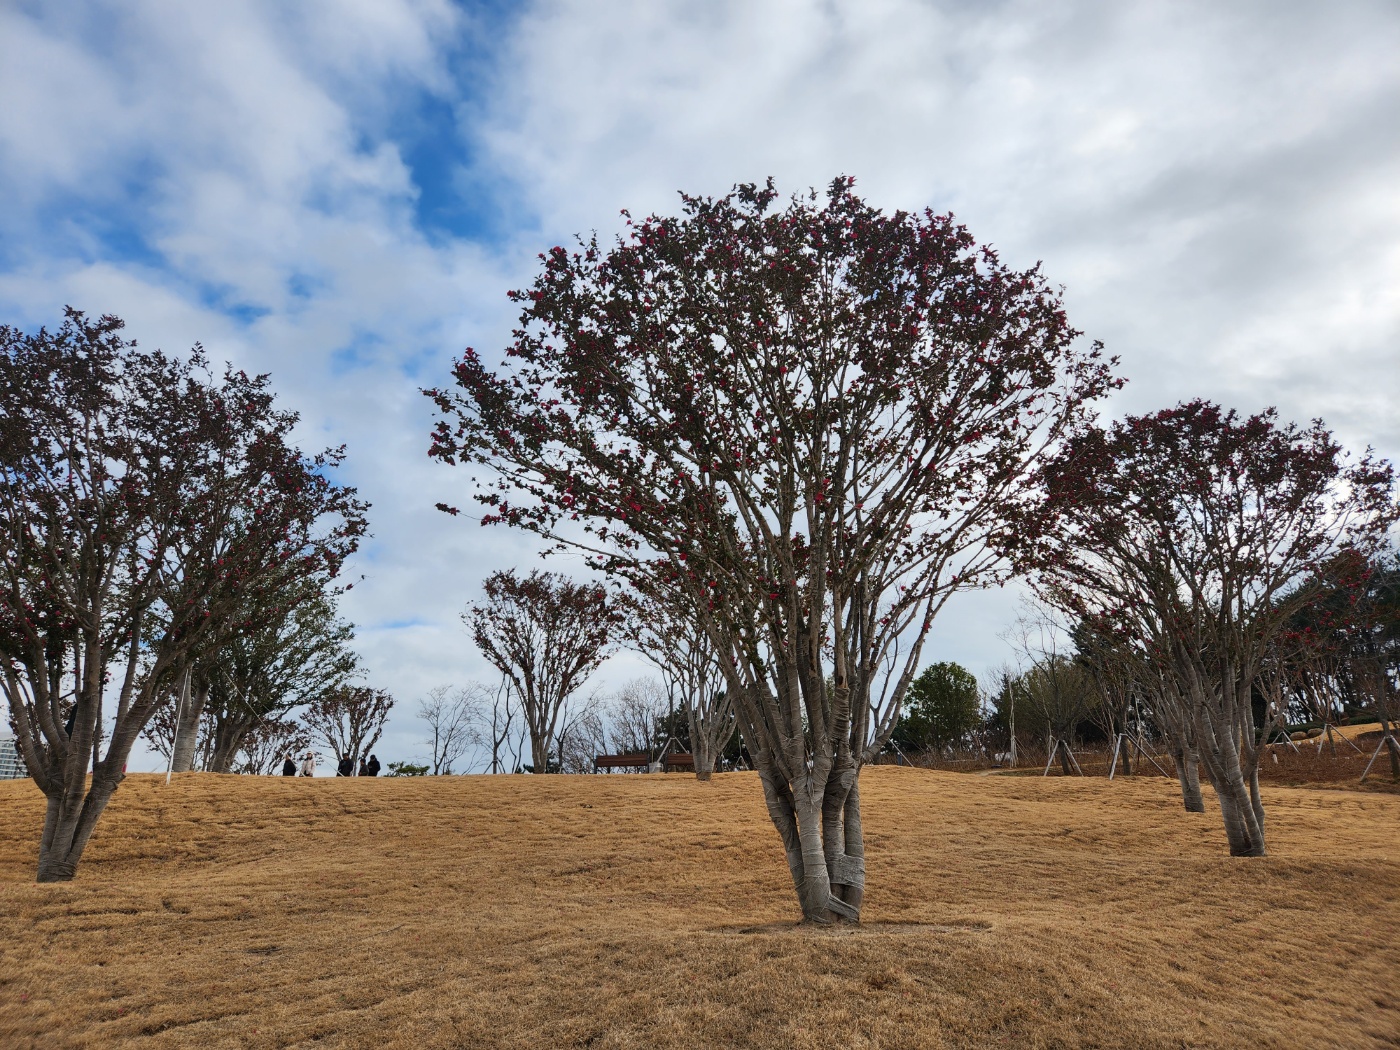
(1188, 777)
(187, 726)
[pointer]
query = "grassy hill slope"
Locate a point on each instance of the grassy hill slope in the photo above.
(654, 911)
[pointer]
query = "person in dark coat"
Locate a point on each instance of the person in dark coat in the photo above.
(372, 766)
(345, 767)
(362, 771)
(289, 768)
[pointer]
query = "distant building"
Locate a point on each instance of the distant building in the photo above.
(11, 765)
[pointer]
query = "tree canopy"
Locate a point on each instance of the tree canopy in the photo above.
(813, 421)
(942, 707)
(1196, 534)
(145, 507)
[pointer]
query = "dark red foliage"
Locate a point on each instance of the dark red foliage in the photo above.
(809, 422)
(144, 506)
(777, 401)
(1195, 537)
(1194, 512)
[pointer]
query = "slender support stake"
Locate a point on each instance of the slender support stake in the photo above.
(1144, 753)
(1385, 739)
(1074, 760)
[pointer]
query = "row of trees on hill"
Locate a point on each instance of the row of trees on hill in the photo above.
(476, 728)
(807, 424)
(344, 718)
(787, 432)
(160, 536)
(1067, 686)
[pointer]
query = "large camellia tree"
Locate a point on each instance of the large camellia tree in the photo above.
(1199, 534)
(812, 421)
(145, 506)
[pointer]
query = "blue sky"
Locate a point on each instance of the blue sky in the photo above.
(342, 195)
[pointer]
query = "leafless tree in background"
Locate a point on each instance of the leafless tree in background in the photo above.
(452, 716)
(582, 736)
(501, 730)
(637, 716)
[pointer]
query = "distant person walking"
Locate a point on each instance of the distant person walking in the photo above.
(372, 767)
(289, 768)
(363, 771)
(308, 765)
(345, 767)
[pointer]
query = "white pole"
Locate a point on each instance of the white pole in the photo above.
(1011, 703)
(179, 712)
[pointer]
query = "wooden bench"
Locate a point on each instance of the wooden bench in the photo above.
(678, 761)
(632, 760)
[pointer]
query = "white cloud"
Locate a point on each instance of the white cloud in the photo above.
(1214, 184)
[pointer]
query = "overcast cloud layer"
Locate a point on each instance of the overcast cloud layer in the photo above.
(341, 197)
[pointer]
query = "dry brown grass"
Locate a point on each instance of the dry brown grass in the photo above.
(654, 911)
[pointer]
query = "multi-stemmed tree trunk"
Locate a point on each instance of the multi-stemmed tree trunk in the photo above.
(1173, 718)
(1199, 535)
(710, 719)
(189, 707)
(1227, 747)
(142, 503)
(233, 725)
(812, 423)
(546, 634)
